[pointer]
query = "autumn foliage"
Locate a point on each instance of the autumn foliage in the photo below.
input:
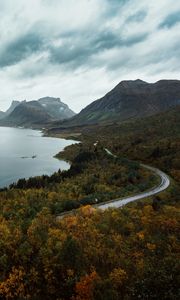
(128, 253)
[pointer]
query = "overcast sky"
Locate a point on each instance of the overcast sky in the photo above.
(80, 49)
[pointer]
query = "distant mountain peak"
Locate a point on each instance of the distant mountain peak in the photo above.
(13, 105)
(28, 113)
(131, 83)
(2, 114)
(140, 81)
(15, 101)
(56, 108)
(47, 98)
(166, 81)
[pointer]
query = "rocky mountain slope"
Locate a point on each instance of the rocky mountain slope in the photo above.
(56, 108)
(2, 114)
(36, 112)
(13, 105)
(27, 114)
(129, 100)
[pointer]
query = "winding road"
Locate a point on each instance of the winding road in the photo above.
(119, 202)
(165, 182)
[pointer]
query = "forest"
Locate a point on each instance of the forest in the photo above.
(128, 253)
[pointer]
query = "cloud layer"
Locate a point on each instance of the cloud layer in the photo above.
(78, 50)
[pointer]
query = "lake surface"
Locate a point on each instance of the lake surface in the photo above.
(18, 146)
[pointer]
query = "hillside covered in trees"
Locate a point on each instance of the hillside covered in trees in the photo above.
(129, 253)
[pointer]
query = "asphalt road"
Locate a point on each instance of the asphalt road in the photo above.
(165, 182)
(119, 202)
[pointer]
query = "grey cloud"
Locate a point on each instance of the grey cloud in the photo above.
(20, 49)
(69, 55)
(171, 20)
(108, 40)
(115, 6)
(77, 47)
(129, 62)
(117, 2)
(79, 51)
(135, 39)
(124, 40)
(137, 17)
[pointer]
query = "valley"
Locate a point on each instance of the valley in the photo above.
(65, 228)
(89, 150)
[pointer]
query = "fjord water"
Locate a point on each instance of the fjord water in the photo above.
(19, 146)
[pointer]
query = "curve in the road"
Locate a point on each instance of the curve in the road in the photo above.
(116, 203)
(165, 182)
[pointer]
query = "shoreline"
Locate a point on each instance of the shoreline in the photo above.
(55, 156)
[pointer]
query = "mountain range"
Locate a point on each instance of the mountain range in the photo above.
(35, 113)
(129, 100)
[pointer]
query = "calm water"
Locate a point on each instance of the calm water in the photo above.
(17, 146)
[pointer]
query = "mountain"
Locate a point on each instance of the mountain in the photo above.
(13, 105)
(27, 114)
(2, 114)
(10, 109)
(36, 113)
(56, 108)
(129, 100)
